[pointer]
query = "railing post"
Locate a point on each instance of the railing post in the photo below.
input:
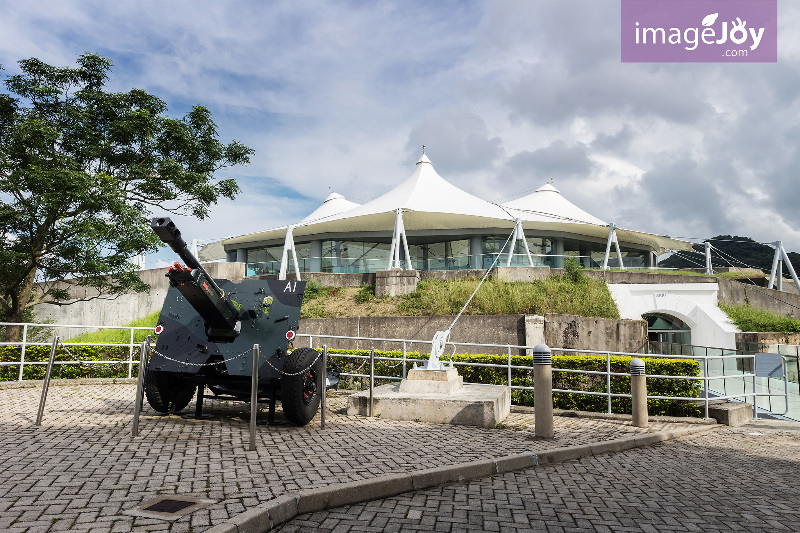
(755, 392)
(130, 356)
(22, 351)
(608, 380)
(542, 391)
(144, 350)
(371, 378)
(324, 380)
(404, 360)
(705, 379)
(638, 393)
(46, 384)
(509, 366)
(254, 397)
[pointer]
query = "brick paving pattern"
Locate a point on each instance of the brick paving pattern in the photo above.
(82, 469)
(729, 479)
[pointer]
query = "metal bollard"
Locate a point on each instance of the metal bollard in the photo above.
(371, 378)
(144, 349)
(638, 393)
(46, 385)
(542, 391)
(254, 397)
(323, 390)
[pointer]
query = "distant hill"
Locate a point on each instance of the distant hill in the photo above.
(741, 252)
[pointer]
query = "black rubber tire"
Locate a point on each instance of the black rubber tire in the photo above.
(300, 395)
(167, 393)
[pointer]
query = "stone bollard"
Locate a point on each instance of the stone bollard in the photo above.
(638, 393)
(542, 391)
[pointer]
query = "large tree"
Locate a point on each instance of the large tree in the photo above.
(81, 168)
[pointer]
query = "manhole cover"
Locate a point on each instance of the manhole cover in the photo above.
(169, 507)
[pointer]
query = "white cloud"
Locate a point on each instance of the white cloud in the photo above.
(340, 95)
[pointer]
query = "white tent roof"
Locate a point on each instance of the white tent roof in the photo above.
(547, 205)
(212, 251)
(429, 202)
(334, 204)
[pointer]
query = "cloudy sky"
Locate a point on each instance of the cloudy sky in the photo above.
(504, 95)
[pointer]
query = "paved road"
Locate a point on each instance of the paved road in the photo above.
(82, 470)
(744, 479)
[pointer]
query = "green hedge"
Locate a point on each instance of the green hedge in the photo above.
(70, 371)
(561, 380)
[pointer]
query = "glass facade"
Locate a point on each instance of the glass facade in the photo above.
(262, 261)
(355, 256)
(667, 329)
(447, 255)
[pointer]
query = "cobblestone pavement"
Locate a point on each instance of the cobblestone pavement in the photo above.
(82, 469)
(729, 479)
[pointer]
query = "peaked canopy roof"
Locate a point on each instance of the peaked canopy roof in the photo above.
(429, 202)
(334, 204)
(547, 205)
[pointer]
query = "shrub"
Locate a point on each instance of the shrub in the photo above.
(68, 371)
(749, 318)
(561, 380)
(573, 270)
(366, 293)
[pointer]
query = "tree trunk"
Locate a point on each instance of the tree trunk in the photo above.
(18, 306)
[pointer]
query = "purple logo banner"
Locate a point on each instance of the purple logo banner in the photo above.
(710, 31)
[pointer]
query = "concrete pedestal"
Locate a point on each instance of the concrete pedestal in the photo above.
(439, 397)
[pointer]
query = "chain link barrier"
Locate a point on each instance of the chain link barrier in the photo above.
(90, 364)
(306, 369)
(123, 362)
(261, 358)
(168, 358)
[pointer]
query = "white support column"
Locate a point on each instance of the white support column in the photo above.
(709, 270)
(608, 245)
(619, 253)
(612, 237)
(409, 266)
(789, 266)
(777, 257)
(393, 247)
(398, 237)
(288, 244)
(521, 235)
(512, 245)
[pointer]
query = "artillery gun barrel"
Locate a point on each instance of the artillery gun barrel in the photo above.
(199, 289)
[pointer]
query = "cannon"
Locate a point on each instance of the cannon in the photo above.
(205, 337)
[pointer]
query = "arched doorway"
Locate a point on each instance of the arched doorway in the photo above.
(668, 329)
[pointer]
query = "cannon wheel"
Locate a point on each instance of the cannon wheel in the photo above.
(299, 394)
(167, 393)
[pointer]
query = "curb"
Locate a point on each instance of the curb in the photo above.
(65, 382)
(272, 514)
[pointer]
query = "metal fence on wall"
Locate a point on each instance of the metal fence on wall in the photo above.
(725, 375)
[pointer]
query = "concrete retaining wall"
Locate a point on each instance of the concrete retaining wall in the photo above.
(558, 331)
(125, 308)
(735, 293)
(745, 339)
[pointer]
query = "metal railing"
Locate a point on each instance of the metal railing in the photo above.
(708, 381)
(713, 377)
(27, 328)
